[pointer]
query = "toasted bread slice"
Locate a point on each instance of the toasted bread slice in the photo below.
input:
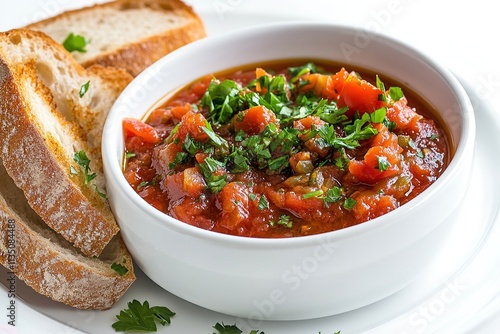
(130, 34)
(45, 122)
(51, 265)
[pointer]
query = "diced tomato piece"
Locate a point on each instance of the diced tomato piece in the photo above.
(372, 155)
(368, 171)
(420, 170)
(159, 116)
(359, 95)
(179, 111)
(254, 120)
(325, 86)
(302, 207)
(425, 129)
(338, 81)
(132, 177)
(385, 138)
(200, 87)
(369, 205)
(137, 144)
(402, 115)
(192, 124)
(321, 82)
(135, 127)
(233, 199)
(200, 157)
(172, 186)
(307, 123)
(190, 211)
(275, 197)
(260, 72)
(165, 156)
(193, 182)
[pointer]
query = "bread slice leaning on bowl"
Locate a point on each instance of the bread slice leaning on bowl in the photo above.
(51, 265)
(50, 135)
(129, 34)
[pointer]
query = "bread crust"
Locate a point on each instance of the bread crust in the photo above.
(50, 265)
(38, 165)
(134, 57)
(36, 158)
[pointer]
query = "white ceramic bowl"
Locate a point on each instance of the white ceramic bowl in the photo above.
(305, 277)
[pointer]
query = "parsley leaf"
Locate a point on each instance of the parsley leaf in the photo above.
(313, 194)
(215, 182)
(81, 159)
(223, 100)
(307, 68)
(381, 86)
(333, 195)
(232, 329)
(121, 270)
(141, 317)
(215, 138)
(359, 130)
(263, 204)
(84, 89)
(284, 220)
(378, 116)
(239, 162)
(396, 93)
(349, 203)
(382, 163)
(75, 43)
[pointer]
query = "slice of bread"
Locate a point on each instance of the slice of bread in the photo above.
(49, 264)
(45, 122)
(130, 34)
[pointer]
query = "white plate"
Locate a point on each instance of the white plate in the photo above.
(458, 293)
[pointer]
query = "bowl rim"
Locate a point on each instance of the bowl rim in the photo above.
(113, 171)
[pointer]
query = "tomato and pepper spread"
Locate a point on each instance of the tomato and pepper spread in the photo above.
(283, 151)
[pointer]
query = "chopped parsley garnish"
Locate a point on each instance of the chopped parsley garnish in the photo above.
(396, 93)
(142, 317)
(349, 203)
(84, 89)
(144, 184)
(215, 181)
(215, 138)
(221, 328)
(263, 203)
(222, 99)
(120, 269)
(313, 194)
(382, 163)
(380, 85)
(75, 43)
(100, 193)
(129, 155)
(333, 195)
(81, 159)
(284, 220)
(271, 149)
(418, 152)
